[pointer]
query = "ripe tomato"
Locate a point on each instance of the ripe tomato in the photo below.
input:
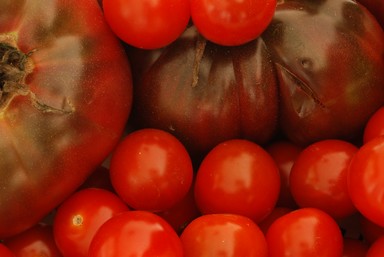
(306, 232)
(319, 177)
(232, 22)
(79, 217)
(376, 249)
(146, 23)
(136, 233)
(5, 252)
(240, 177)
(223, 235)
(35, 241)
(151, 170)
(366, 180)
(374, 126)
(65, 94)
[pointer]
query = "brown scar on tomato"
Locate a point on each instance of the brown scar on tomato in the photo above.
(15, 66)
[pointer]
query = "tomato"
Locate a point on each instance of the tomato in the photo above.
(376, 249)
(319, 177)
(354, 248)
(227, 235)
(35, 241)
(366, 180)
(374, 126)
(151, 170)
(5, 252)
(136, 233)
(306, 232)
(79, 217)
(239, 177)
(282, 81)
(65, 94)
(232, 22)
(284, 154)
(146, 23)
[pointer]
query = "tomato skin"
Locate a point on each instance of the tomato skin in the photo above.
(79, 216)
(136, 233)
(5, 251)
(223, 235)
(375, 126)
(235, 177)
(79, 69)
(319, 177)
(376, 249)
(35, 241)
(151, 170)
(147, 24)
(232, 22)
(306, 232)
(366, 180)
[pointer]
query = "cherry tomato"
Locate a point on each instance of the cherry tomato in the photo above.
(147, 23)
(374, 126)
(366, 180)
(5, 251)
(306, 232)
(65, 97)
(284, 153)
(136, 233)
(151, 170)
(80, 216)
(319, 177)
(232, 22)
(240, 177)
(354, 248)
(227, 235)
(376, 249)
(36, 241)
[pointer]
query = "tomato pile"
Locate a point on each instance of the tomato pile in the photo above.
(191, 128)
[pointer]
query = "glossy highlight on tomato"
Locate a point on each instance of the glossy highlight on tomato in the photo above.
(65, 97)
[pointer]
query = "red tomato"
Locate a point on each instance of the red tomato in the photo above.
(146, 23)
(151, 170)
(240, 177)
(36, 241)
(319, 177)
(366, 180)
(5, 252)
(80, 216)
(65, 98)
(376, 249)
(284, 153)
(232, 22)
(223, 235)
(354, 248)
(136, 233)
(306, 232)
(375, 125)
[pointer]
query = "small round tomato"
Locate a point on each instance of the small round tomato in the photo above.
(5, 251)
(136, 233)
(319, 177)
(284, 153)
(306, 232)
(146, 23)
(36, 241)
(227, 235)
(376, 249)
(366, 180)
(240, 177)
(78, 218)
(232, 22)
(374, 126)
(151, 170)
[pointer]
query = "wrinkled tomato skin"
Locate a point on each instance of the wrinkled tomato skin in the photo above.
(82, 82)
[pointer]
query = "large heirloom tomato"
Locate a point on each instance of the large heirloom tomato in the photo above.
(65, 97)
(317, 72)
